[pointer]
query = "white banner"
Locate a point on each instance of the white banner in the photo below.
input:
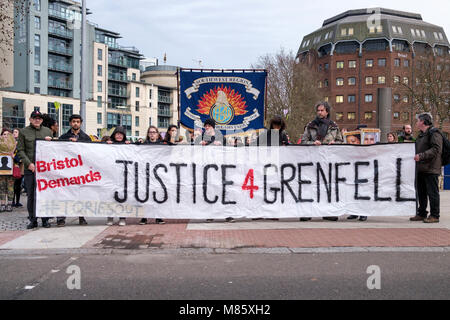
(194, 182)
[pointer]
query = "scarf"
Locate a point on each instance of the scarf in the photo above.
(322, 124)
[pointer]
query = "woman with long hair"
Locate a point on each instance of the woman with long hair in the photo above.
(119, 135)
(153, 137)
(171, 137)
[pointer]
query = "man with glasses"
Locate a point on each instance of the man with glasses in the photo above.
(26, 152)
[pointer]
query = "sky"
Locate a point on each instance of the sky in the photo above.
(233, 33)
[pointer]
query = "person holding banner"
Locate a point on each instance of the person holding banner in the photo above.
(322, 130)
(74, 134)
(210, 135)
(8, 145)
(26, 152)
(153, 137)
(276, 135)
(428, 156)
(119, 135)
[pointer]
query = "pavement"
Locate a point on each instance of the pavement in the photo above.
(244, 236)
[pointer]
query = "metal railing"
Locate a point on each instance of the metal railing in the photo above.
(118, 77)
(60, 84)
(60, 32)
(164, 99)
(60, 49)
(60, 67)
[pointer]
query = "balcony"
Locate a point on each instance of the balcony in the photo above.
(60, 32)
(60, 49)
(118, 93)
(165, 113)
(60, 84)
(55, 13)
(165, 99)
(61, 67)
(121, 108)
(118, 62)
(118, 77)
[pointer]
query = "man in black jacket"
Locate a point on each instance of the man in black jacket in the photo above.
(74, 134)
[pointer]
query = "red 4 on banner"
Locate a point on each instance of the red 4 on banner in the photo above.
(250, 187)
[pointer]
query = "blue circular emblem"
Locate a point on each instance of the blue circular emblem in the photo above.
(222, 113)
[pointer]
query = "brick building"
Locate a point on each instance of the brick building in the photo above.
(359, 51)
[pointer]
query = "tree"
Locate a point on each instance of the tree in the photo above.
(11, 11)
(429, 90)
(291, 90)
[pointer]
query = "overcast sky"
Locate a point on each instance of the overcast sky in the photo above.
(232, 33)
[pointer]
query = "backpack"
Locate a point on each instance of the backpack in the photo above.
(445, 147)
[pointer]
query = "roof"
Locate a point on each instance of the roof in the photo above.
(385, 24)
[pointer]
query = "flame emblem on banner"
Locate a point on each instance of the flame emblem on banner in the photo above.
(222, 104)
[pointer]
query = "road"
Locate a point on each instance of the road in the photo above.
(204, 276)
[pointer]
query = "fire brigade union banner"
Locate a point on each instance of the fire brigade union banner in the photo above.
(215, 182)
(235, 100)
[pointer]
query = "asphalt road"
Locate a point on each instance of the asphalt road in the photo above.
(199, 276)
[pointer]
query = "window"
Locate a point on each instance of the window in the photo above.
(405, 99)
(369, 80)
(320, 67)
(137, 92)
(343, 32)
(396, 62)
(382, 62)
(326, 66)
(350, 31)
(99, 101)
(149, 121)
(325, 83)
(319, 84)
(423, 33)
(37, 109)
(37, 90)
(379, 29)
(37, 5)
(136, 133)
(99, 70)
(351, 98)
(369, 63)
(368, 98)
(405, 80)
(150, 105)
(352, 64)
(406, 63)
(37, 23)
(396, 98)
(37, 76)
(137, 106)
(396, 115)
(37, 50)
(352, 81)
(394, 29)
(372, 30)
(396, 79)
(340, 82)
(339, 116)
(400, 30)
(99, 118)
(133, 77)
(136, 121)
(381, 79)
(340, 65)
(339, 99)
(99, 86)
(368, 115)
(405, 116)
(100, 54)
(441, 37)
(326, 99)
(150, 94)
(351, 115)
(413, 33)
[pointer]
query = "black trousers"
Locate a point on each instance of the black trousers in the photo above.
(428, 189)
(17, 190)
(31, 186)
